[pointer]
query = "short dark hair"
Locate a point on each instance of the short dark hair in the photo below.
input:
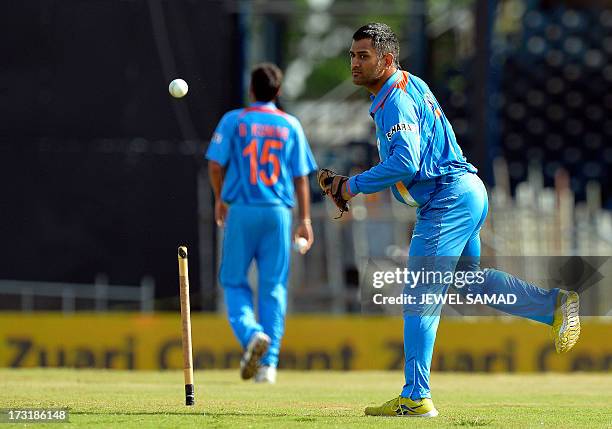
(383, 39)
(266, 81)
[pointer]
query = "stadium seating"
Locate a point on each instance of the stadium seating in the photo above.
(556, 106)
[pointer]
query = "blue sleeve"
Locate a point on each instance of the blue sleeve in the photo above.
(401, 128)
(219, 149)
(301, 160)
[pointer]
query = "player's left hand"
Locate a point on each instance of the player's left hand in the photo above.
(334, 185)
(304, 229)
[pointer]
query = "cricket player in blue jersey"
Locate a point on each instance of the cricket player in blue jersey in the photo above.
(424, 167)
(258, 158)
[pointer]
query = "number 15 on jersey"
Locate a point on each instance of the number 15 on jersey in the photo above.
(259, 167)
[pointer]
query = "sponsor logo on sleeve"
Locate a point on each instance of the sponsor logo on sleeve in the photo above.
(402, 126)
(217, 138)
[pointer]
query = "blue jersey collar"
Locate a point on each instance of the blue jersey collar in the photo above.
(378, 100)
(266, 104)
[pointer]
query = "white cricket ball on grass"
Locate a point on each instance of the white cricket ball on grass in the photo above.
(178, 88)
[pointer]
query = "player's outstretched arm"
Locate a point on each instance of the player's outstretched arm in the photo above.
(401, 165)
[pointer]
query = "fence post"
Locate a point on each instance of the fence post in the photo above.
(27, 299)
(147, 293)
(101, 288)
(68, 300)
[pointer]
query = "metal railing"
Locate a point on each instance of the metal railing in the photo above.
(101, 293)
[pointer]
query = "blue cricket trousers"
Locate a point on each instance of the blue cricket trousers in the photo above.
(446, 238)
(263, 234)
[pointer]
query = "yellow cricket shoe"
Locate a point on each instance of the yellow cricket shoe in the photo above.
(404, 407)
(566, 321)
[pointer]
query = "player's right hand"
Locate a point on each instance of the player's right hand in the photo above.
(304, 229)
(220, 213)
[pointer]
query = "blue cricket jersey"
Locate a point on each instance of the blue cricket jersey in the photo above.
(262, 149)
(416, 143)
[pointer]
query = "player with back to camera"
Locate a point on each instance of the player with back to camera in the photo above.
(424, 167)
(258, 157)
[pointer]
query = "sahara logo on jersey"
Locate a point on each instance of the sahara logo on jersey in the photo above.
(402, 126)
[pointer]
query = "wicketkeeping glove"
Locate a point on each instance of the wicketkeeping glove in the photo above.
(331, 184)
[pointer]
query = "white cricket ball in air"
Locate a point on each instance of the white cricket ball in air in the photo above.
(300, 245)
(178, 88)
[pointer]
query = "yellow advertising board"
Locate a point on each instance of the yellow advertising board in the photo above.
(134, 341)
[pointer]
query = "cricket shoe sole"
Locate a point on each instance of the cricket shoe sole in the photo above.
(566, 321)
(257, 347)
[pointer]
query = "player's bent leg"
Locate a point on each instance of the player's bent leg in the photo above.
(553, 307)
(404, 407)
(566, 322)
(528, 300)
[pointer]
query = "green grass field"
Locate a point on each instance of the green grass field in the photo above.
(142, 399)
